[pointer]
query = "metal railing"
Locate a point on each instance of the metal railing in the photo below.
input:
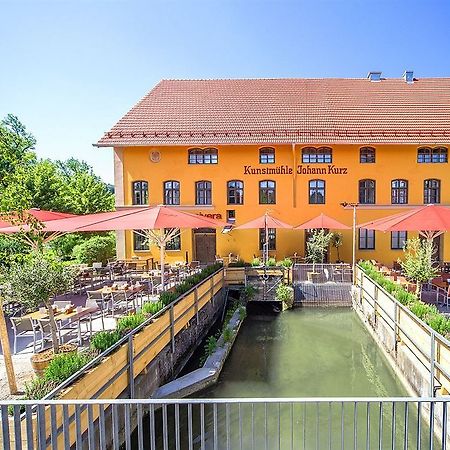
(337, 273)
(128, 339)
(426, 357)
(244, 423)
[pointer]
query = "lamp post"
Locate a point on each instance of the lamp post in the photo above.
(353, 206)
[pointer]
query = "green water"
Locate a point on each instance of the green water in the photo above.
(306, 353)
(299, 353)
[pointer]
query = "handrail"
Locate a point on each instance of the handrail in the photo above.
(94, 362)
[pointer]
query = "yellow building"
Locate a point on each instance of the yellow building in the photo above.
(234, 149)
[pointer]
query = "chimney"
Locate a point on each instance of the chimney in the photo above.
(374, 76)
(408, 76)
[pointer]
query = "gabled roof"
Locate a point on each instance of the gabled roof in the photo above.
(287, 110)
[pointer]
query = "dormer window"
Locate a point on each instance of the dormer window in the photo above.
(366, 155)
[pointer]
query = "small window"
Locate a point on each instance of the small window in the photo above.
(367, 192)
(366, 155)
(321, 155)
(202, 156)
(272, 238)
(140, 192)
(366, 239)
(203, 193)
(171, 192)
(267, 192)
(399, 192)
(432, 191)
(231, 216)
(140, 242)
(432, 155)
(316, 192)
(175, 242)
(398, 240)
(235, 193)
(267, 155)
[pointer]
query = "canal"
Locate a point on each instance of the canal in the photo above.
(299, 353)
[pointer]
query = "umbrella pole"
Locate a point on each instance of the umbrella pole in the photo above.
(162, 251)
(354, 245)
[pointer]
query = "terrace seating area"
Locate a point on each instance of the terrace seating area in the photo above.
(436, 291)
(101, 296)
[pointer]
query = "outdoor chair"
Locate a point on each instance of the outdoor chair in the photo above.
(46, 332)
(88, 319)
(103, 299)
(23, 328)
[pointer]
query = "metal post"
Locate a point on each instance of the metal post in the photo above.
(130, 366)
(211, 289)
(354, 245)
(172, 329)
(432, 361)
(395, 325)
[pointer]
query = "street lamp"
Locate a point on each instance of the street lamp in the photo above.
(354, 206)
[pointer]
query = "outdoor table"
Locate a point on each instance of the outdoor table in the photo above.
(60, 316)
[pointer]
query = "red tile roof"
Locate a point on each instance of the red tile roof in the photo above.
(287, 110)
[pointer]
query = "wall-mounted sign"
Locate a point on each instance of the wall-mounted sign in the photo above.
(327, 169)
(210, 215)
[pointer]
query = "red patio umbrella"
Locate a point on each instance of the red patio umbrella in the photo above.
(430, 221)
(40, 214)
(266, 221)
(322, 221)
(151, 221)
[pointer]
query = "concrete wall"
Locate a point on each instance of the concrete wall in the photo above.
(406, 342)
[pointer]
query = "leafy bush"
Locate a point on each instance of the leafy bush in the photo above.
(64, 245)
(129, 322)
(102, 340)
(96, 249)
(211, 345)
(38, 388)
(256, 262)
(286, 262)
(227, 334)
(64, 365)
(285, 294)
(428, 313)
(248, 292)
(242, 312)
(152, 308)
(168, 297)
(271, 262)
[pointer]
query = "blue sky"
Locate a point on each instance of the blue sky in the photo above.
(71, 69)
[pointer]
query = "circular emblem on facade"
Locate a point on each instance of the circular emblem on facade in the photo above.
(155, 156)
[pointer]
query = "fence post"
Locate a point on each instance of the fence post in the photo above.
(211, 289)
(395, 325)
(375, 302)
(130, 366)
(196, 303)
(432, 361)
(172, 328)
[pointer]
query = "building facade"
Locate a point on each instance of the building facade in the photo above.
(235, 149)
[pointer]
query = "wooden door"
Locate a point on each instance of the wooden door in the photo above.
(205, 247)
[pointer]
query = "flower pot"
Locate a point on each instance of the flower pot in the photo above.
(313, 277)
(40, 360)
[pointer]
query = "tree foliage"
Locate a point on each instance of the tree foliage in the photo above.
(27, 182)
(418, 261)
(317, 246)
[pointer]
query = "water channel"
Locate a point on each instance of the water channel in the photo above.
(300, 353)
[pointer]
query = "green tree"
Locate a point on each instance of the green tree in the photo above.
(16, 146)
(317, 246)
(418, 261)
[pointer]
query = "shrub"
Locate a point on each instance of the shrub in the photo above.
(64, 365)
(248, 292)
(242, 312)
(227, 334)
(129, 322)
(286, 262)
(96, 249)
(256, 262)
(151, 308)
(285, 294)
(102, 340)
(167, 297)
(271, 262)
(38, 388)
(239, 263)
(211, 345)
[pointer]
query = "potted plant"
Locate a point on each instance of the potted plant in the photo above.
(285, 295)
(418, 262)
(35, 282)
(336, 242)
(316, 247)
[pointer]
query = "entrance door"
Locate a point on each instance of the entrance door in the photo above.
(205, 245)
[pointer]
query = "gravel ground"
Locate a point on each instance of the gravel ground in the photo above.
(23, 371)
